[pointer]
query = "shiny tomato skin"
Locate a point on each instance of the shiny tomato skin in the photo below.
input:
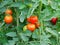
(54, 20)
(31, 27)
(33, 19)
(8, 19)
(8, 11)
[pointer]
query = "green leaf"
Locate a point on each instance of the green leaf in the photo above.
(54, 5)
(4, 3)
(53, 32)
(20, 5)
(2, 24)
(31, 10)
(3, 39)
(10, 42)
(45, 14)
(53, 41)
(15, 39)
(45, 2)
(23, 37)
(44, 39)
(20, 43)
(36, 34)
(35, 0)
(2, 10)
(34, 43)
(23, 15)
(27, 33)
(11, 34)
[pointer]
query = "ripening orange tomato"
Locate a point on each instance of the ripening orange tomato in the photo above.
(8, 11)
(8, 19)
(31, 27)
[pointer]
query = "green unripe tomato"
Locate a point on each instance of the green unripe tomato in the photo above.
(30, 5)
(25, 28)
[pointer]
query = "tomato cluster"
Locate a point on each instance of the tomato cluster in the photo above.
(8, 18)
(32, 23)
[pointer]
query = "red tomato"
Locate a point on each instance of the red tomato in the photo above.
(8, 11)
(31, 27)
(33, 19)
(8, 19)
(54, 20)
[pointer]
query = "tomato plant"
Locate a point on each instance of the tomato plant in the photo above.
(29, 22)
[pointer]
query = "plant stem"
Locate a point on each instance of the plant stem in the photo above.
(58, 40)
(41, 21)
(17, 19)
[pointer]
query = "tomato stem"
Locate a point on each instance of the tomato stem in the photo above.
(41, 20)
(17, 22)
(17, 19)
